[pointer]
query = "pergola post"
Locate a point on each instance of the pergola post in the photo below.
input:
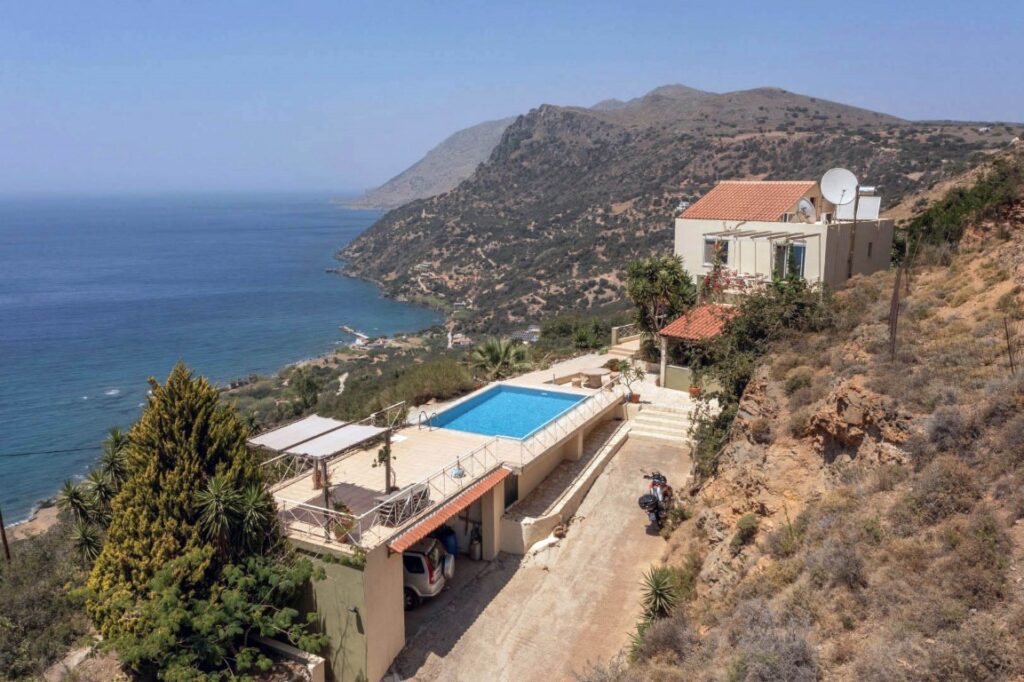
(664, 361)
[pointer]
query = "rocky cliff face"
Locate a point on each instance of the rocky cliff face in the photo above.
(570, 195)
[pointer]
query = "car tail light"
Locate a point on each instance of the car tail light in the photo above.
(430, 571)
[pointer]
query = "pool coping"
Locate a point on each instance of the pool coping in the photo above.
(582, 396)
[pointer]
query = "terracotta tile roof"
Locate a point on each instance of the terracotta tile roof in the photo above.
(434, 519)
(702, 322)
(748, 200)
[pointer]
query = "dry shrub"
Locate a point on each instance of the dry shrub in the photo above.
(945, 487)
(948, 430)
(888, 476)
(976, 570)
(769, 647)
(836, 563)
(979, 650)
(802, 397)
(669, 640)
(761, 431)
(799, 422)
(797, 378)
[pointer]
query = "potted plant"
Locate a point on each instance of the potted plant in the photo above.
(342, 525)
(694, 390)
(631, 374)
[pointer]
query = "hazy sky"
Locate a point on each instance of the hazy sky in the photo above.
(143, 96)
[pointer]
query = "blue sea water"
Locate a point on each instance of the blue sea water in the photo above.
(510, 411)
(98, 294)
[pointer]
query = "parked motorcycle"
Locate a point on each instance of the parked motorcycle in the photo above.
(658, 500)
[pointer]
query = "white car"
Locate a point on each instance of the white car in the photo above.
(427, 568)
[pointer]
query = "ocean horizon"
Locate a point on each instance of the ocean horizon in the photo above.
(97, 294)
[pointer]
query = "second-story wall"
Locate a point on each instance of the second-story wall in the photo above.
(826, 256)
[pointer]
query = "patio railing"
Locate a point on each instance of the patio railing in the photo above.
(562, 426)
(625, 332)
(383, 520)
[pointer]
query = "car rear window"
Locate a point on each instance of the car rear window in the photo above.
(413, 564)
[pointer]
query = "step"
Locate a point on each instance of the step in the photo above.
(665, 411)
(641, 433)
(667, 420)
(658, 428)
(621, 352)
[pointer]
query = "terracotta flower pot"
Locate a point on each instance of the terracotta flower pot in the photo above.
(634, 398)
(694, 391)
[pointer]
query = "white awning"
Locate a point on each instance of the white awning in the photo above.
(290, 435)
(337, 441)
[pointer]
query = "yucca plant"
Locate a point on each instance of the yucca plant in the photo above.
(114, 458)
(74, 500)
(101, 491)
(87, 540)
(660, 592)
(219, 506)
(255, 516)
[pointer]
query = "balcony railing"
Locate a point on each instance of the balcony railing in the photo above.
(625, 332)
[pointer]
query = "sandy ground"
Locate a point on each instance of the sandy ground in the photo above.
(40, 522)
(572, 604)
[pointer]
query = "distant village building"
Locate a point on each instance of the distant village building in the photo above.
(529, 335)
(757, 229)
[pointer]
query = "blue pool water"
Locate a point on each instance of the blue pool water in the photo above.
(507, 411)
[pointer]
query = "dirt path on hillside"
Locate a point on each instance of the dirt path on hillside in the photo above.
(573, 603)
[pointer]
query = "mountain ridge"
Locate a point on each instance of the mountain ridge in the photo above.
(570, 194)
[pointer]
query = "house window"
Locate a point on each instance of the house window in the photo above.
(782, 252)
(870, 244)
(711, 245)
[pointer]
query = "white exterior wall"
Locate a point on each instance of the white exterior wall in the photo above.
(825, 256)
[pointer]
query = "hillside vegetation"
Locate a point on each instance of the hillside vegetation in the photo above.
(570, 196)
(864, 519)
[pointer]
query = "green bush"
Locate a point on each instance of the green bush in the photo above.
(746, 531)
(797, 378)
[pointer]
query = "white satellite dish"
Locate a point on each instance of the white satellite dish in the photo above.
(839, 186)
(805, 209)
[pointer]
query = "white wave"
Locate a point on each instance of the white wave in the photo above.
(112, 392)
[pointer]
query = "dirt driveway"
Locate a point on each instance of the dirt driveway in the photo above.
(546, 617)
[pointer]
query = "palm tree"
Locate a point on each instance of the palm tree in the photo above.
(114, 458)
(661, 289)
(499, 358)
(218, 506)
(73, 499)
(86, 539)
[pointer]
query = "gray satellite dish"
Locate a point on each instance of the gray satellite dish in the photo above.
(839, 186)
(805, 209)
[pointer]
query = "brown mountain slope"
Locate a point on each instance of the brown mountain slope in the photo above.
(443, 167)
(886, 496)
(570, 195)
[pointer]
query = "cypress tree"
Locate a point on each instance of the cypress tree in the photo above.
(183, 439)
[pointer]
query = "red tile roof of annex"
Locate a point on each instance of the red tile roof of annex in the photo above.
(700, 323)
(435, 518)
(748, 200)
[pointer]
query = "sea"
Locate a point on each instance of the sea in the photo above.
(97, 294)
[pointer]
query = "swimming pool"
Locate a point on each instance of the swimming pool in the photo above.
(510, 411)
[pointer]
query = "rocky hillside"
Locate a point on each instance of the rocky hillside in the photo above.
(443, 167)
(570, 195)
(866, 519)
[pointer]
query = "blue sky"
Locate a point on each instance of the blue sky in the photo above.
(103, 97)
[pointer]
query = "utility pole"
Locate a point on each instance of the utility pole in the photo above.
(3, 534)
(1009, 345)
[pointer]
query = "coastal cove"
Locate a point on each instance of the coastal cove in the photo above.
(98, 294)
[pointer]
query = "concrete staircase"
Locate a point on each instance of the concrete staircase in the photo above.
(625, 349)
(661, 423)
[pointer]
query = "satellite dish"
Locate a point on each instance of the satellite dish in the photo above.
(839, 186)
(805, 209)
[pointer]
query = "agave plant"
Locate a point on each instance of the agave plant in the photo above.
(86, 539)
(74, 499)
(660, 592)
(498, 358)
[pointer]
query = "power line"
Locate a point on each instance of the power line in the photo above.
(28, 453)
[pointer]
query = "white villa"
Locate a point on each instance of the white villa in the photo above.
(753, 225)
